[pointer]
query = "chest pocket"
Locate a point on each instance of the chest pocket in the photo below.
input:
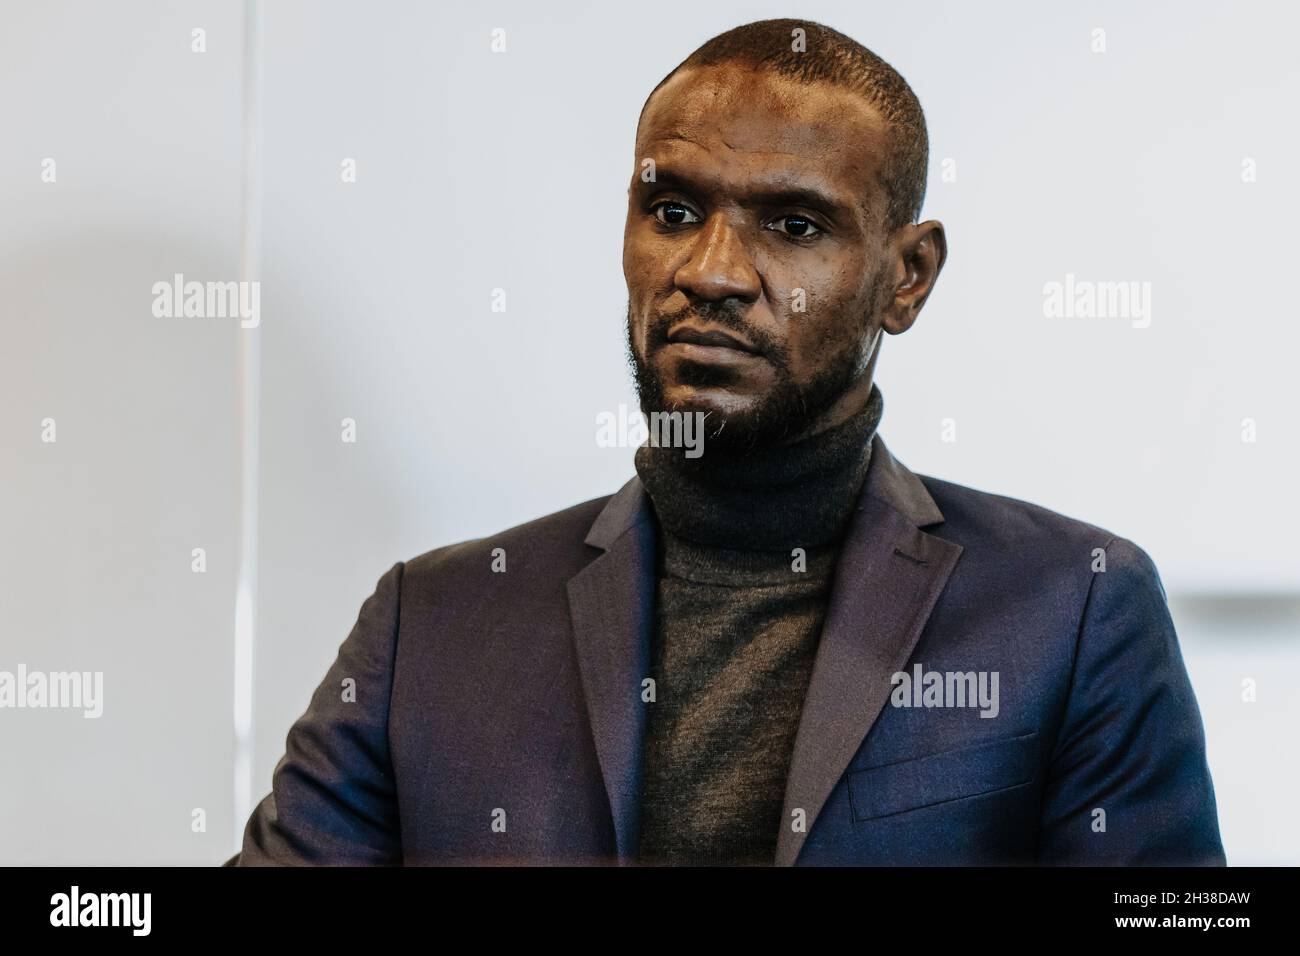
(968, 771)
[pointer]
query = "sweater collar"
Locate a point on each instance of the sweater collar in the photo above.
(772, 499)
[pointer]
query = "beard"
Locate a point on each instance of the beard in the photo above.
(788, 410)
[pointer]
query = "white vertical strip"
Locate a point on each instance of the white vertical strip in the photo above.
(249, 399)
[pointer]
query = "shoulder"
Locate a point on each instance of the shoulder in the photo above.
(554, 540)
(1023, 538)
(983, 519)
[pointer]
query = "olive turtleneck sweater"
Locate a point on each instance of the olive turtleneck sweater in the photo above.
(747, 551)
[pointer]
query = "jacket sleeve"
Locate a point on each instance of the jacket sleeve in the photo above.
(333, 798)
(1128, 782)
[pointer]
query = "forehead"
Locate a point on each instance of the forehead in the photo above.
(728, 120)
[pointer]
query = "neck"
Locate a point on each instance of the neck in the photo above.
(794, 495)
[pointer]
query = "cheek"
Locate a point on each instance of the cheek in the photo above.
(647, 259)
(824, 333)
(813, 281)
(629, 257)
(822, 314)
(634, 259)
(813, 341)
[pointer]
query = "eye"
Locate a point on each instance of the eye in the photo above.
(798, 227)
(674, 214)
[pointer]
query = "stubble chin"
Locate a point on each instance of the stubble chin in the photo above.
(737, 421)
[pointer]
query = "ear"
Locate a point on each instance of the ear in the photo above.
(919, 251)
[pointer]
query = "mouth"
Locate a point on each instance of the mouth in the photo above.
(709, 344)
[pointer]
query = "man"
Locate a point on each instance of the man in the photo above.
(787, 649)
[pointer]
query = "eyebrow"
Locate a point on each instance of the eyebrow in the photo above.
(776, 195)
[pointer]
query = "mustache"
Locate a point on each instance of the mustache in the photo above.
(725, 316)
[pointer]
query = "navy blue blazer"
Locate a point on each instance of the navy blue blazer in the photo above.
(496, 717)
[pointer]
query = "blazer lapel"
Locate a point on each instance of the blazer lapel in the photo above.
(889, 575)
(611, 602)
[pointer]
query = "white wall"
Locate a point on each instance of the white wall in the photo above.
(97, 528)
(478, 171)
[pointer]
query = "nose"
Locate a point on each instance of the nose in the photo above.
(719, 266)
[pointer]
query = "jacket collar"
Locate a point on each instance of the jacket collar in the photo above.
(889, 575)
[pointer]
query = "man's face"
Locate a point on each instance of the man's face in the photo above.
(755, 258)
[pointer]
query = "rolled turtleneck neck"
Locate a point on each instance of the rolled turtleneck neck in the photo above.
(771, 499)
